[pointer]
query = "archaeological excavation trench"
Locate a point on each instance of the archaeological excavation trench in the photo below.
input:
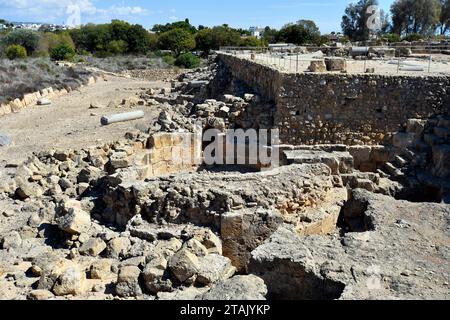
(357, 205)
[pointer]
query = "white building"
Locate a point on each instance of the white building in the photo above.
(256, 32)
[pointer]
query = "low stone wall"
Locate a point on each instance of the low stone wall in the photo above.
(314, 108)
(31, 99)
(172, 153)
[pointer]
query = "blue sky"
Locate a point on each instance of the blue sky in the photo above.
(238, 13)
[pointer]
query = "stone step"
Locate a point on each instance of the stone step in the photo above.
(408, 155)
(382, 173)
(392, 170)
(400, 162)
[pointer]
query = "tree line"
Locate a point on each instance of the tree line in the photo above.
(120, 37)
(408, 19)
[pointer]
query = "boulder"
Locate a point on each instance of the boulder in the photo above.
(76, 221)
(336, 64)
(101, 269)
(214, 268)
(93, 247)
(238, 288)
(71, 281)
(117, 247)
(184, 265)
(11, 240)
(128, 282)
(317, 66)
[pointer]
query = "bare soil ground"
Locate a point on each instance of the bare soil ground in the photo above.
(68, 122)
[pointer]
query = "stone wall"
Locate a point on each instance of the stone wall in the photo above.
(328, 108)
(31, 99)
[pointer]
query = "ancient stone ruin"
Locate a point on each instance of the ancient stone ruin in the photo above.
(356, 207)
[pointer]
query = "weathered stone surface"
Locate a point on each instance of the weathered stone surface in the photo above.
(101, 269)
(71, 281)
(317, 66)
(238, 288)
(93, 247)
(336, 64)
(214, 268)
(75, 221)
(184, 265)
(244, 230)
(117, 247)
(128, 282)
(367, 264)
(40, 295)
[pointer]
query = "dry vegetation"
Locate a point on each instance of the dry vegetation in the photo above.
(19, 77)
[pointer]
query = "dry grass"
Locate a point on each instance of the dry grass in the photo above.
(119, 64)
(19, 77)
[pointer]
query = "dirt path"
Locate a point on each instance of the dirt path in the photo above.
(68, 122)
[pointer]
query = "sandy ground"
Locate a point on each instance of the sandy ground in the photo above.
(68, 122)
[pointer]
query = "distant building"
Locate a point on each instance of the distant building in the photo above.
(2, 26)
(281, 46)
(256, 32)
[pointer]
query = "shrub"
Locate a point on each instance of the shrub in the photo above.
(62, 52)
(169, 59)
(16, 52)
(177, 40)
(392, 37)
(413, 37)
(51, 40)
(117, 47)
(25, 38)
(187, 60)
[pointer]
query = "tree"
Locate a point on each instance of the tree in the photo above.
(312, 30)
(251, 42)
(185, 25)
(50, 40)
(304, 31)
(444, 21)
(117, 47)
(177, 40)
(219, 36)
(139, 40)
(270, 35)
(25, 38)
(354, 21)
(416, 16)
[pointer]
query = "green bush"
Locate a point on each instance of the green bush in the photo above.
(169, 59)
(413, 37)
(16, 51)
(25, 38)
(62, 52)
(187, 60)
(392, 37)
(117, 47)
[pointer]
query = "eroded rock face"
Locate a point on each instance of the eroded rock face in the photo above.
(403, 256)
(201, 198)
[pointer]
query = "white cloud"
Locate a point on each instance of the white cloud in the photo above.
(43, 10)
